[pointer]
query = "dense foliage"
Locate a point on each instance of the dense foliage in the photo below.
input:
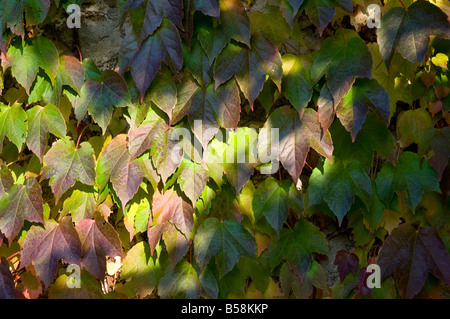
(88, 173)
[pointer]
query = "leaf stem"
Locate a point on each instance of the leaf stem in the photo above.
(20, 159)
(79, 136)
(403, 5)
(343, 37)
(294, 48)
(13, 255)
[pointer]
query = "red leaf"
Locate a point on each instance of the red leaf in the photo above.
(98, 239)
(346, 263)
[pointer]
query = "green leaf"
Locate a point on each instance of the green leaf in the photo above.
(249, 66)
(22, 202)
(234, 16)
(35, 13)
(99, 96)
(192, 179)
(115, 164)
(139, 266)
(226, 240)
(239, 166)
(65, 165)
(80, 205)
(342, 63)
(6, 180)
(181, 283)
(198, 63)
(25, 59)
(296, 136)
(408, 31)
(163, 91)
(364, 94)
(411, 126)
(406, 176)
(297, 84)
(212, 109)
(13, 124)
(270, 201)
(321, 12)
(41, 121)
(373, 136)
(271, 24)
(436, 142)
(144, 61)
(212, 37)
(337, 184)
(297, 247)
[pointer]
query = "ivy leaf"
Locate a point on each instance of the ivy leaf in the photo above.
(80, 205)
(41, 121)
(437, 143)
(214, 108)
(271, 24)
(325, 108)
(226, 240)
(163, 91)
(115, 164)
(162, 153)
(234, 16)
(192, 179)
(237, 166)
(289, 9)
(147, 16)
(296, 81)
(98, 240)
(412, 125)
(197, 62)
(145, 61)
(13, 122)
(44, 247)
(373, 136)
(25, 59)
(35, 13)
(140, 267)
(6, 180)
(208, 7)
(410, 255)
(7, 285)
(338, 184)
(341, 62)
(182, 283)
(250, 67)
(321, 12)
(22, 202)
(407, 31)
(70, 73)
(99, 96)
(170, 211)
(297, 247)
(364, 94)
(141, 138)
(296, 136)
(407, 176)
(213, 38)
(270, 200)
(346, 262)
(65, 165)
